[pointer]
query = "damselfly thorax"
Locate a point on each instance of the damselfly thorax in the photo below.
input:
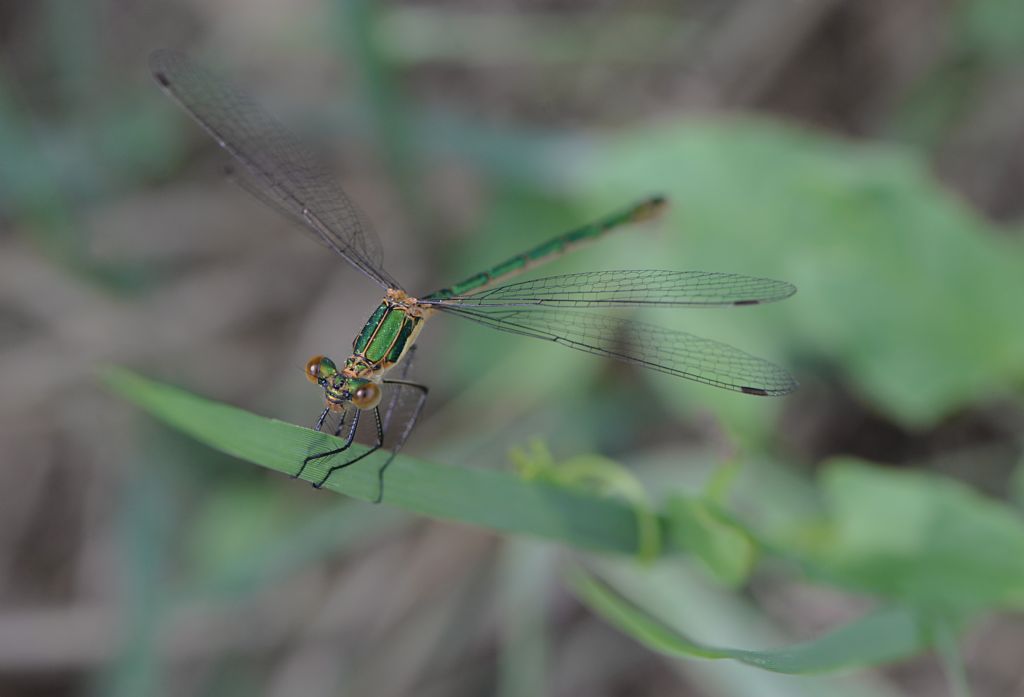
(383, 342)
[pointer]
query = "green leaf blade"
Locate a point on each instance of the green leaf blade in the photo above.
(492, 499)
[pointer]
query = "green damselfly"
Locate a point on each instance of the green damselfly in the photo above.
(283, 173)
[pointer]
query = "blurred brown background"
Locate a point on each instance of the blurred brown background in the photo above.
(133, 561)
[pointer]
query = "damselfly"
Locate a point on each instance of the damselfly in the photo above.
(284, 173)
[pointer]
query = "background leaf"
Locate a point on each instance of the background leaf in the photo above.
(886, 635)
(698, 526)
(918, 538)
(910, 293)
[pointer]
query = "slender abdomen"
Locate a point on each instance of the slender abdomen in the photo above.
(552, 249)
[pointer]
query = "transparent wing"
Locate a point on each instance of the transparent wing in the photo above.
(279, 169)
(665, 350)
(241, 177)
(631, 288)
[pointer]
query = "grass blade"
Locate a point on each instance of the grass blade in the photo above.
(488, 498)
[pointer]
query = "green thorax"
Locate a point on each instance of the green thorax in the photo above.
(385, 338)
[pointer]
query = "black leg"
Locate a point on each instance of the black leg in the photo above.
(319, 426)
(320, 421)
(373, 448)
(348, 442)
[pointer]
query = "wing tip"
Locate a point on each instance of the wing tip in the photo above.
(159, 60)
(785, 289)
(789, 387)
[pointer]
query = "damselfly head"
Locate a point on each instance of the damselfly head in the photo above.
(339, 391)
(339, 388)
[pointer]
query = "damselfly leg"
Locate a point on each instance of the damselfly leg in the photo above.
(348, 442)
(337, 431)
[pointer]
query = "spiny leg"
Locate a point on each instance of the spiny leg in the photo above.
(320, 421)
(421, 400)
(373, 448)
(348, 442)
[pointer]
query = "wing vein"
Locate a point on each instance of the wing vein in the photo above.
(668, 351)
(630, 288)
(278, 168)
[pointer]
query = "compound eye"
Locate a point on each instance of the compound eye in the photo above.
(320, 368)
(367, 395)
(313, 369)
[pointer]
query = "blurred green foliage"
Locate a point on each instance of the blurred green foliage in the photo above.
(933, 551)
(933, 547)
(906, 293)
(919, 539)
(883, 636)
(991, 29)
(698, 526)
